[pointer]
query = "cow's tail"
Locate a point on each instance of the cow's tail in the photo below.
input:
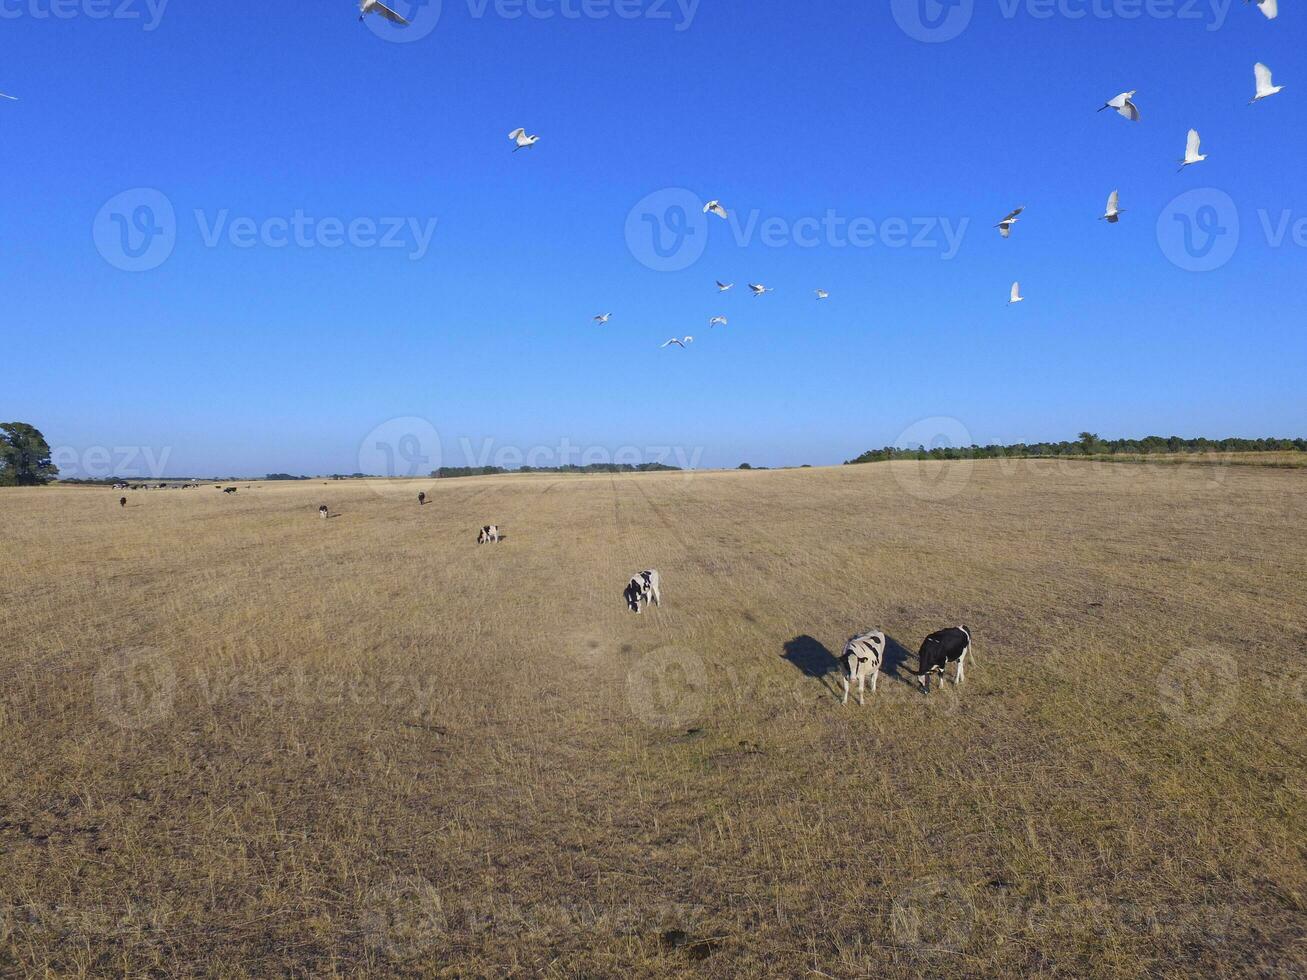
(971, 643)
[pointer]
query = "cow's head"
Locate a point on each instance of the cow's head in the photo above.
(633, 594)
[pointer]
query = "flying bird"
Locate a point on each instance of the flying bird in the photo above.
(1005, 226)
(377, 7)
(758, 289)
(1124, 105)
(1265, 88)
(1269, 8)
(1114, 212)
(11, 98)
(603, 318)
(522, 140)
(822, 294)
(1191, 154)
(717, 320)
(714, 207)
(679, 343)
(1016, 294)
(723, 286)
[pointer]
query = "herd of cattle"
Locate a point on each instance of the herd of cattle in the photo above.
(861, 660)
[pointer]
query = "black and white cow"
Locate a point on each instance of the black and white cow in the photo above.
(422, 497)
(323, 512)
(862, 658)
(940, 649)
(489, 534)
(643, 587)
(229, 490)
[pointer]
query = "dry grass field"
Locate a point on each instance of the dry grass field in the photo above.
(243, 741)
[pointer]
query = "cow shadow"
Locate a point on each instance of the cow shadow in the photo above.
(897, 661)
(811, 658)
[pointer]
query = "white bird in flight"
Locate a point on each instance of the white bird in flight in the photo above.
(679, 343)
(522, 140)
(723, 286)
(1265, 87)
(1005, 226)
(759, 289)
(1124, 106)
(1191, 154)
(1269, 8)
(1016, 294)
(717, 320)
(822, 294)
(377, 7)
(603, 318)
(1114, 212)
(714, 207)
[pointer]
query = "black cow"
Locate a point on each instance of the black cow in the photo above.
(122, 501)
(938, 650)
(422, 498)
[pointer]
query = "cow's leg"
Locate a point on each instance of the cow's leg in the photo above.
(962, 668)
(862, 687)
(846, 691)
(657, 596)
(873, 679)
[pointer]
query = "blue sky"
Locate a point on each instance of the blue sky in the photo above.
(226, 359)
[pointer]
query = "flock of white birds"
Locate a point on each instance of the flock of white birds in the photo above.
(1122, 104)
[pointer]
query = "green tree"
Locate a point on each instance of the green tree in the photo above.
(24, 456)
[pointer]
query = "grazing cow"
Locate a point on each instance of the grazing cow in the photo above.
(642, 588)
(229, 490)
(862, 658)
(122, 501)
(940, 649)
(323, 512)
(489, 534)
(422, 497)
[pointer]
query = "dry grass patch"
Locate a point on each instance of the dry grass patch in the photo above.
(243, 741)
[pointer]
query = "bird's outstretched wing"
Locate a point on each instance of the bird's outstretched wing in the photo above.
(1263, 76)
(1016, 293)
(390, 15)
(1270, 8)
(1192, 145)
(1129, 110)
(1113, 200)
(516, 133)
(11, 98)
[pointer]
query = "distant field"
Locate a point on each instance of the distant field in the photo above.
(243, 741)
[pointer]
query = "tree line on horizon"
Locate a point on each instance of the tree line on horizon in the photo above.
(25, 458)
(1086, 444)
